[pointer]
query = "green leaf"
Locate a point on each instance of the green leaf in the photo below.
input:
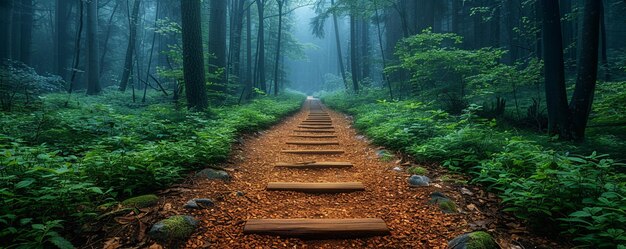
(580, 214)
(61, 243)
(95, 190)
(25, 183)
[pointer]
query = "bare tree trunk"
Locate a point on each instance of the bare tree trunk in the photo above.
(61, 34)
(193, 61)
(280, 33)
(217, 44)
(342, 68)
(382, 53)
(261, 46)
(130, 50)
(6, 9)
(107, 37)
(582, 99)
(354, 63)
(93, 69)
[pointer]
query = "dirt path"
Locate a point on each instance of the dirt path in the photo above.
(413, 222)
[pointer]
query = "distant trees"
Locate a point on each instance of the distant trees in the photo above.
(193, 61)
(6, 8)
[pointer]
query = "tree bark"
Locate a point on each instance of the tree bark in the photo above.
(193, 61)
(582, 99)
(60, 39)
(342, 68)
(278, 41)
(217, 44)
(353, 54)
(605, 59)
(93, 69)
(130, 49)
(6, 9)
(261, 46)
(27, 31)
(556, 98)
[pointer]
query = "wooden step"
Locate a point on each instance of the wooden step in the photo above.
(298, 142)
(319, 114)
(316, 131)
(318, 119)
(314, 136)
(313, 151)
(316, 126)
(316, 187)
(315, 165)
(317, 228)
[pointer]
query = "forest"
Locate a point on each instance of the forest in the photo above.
(312, 124)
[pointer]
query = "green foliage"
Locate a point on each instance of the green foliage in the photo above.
(21, 85)
(584, 195)
(417, 170)
(60, 163)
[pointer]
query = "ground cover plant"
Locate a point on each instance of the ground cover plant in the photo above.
(582, 194)
(59, 164)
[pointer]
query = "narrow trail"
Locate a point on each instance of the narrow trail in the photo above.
(412, 221)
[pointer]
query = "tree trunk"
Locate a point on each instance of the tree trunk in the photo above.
(193, 61)
(342, 68)
(26, 31)
(280, 33)
(93, 69)
(605, 60)
(382, 52)
(582, 99)
(130, 49)
(6, 9)
(353, 55)
(556, 98)
(261, 46)
(365, 50)
(237, 25)
(16, 25)
(249, 78)
(107, 37)
(60, 39)
(217, 44)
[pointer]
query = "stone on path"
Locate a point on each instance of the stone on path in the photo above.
(213, 174)
(418, 181)
(473, 240)
(176, 227)
(199, 203)
(445, 204)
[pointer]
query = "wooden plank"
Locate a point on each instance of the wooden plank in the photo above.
(319, 114)
(316, 123)
(315, 165)
(316, 187)
(298, 142)
(314, 136)
(313, 151)
(318, 119)
(317, 228)
(316, 131)
(316, 126)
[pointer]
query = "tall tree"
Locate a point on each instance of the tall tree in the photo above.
(130, 49)
(354, 61)
(278, 43)
(93, 69)
(193, 62)
(582, 99)
(217, 43)
(342, 68)
(261, 46)
(6, 7)
(556, 97)
(26, 30)
(61, 37)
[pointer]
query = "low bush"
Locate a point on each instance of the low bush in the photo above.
(584, 196)
(59, 164)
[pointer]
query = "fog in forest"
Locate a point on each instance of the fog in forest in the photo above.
(264, 123)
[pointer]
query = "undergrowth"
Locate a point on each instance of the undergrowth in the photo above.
(59, 163)
(544, 182)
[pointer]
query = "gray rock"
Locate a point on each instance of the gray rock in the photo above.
(480, 239)
(213, 174)
(240, 193)
(445, 204)
(466, 191)
(199, 203)
(398, 169)
(418, 181)
(176, 227)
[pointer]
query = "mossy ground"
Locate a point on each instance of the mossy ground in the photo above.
(141, 201)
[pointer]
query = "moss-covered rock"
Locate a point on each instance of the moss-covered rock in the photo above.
(173, 228)
(445, 204)
(417, 170)
(141, 201)
(473, 240)
(213, 174)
